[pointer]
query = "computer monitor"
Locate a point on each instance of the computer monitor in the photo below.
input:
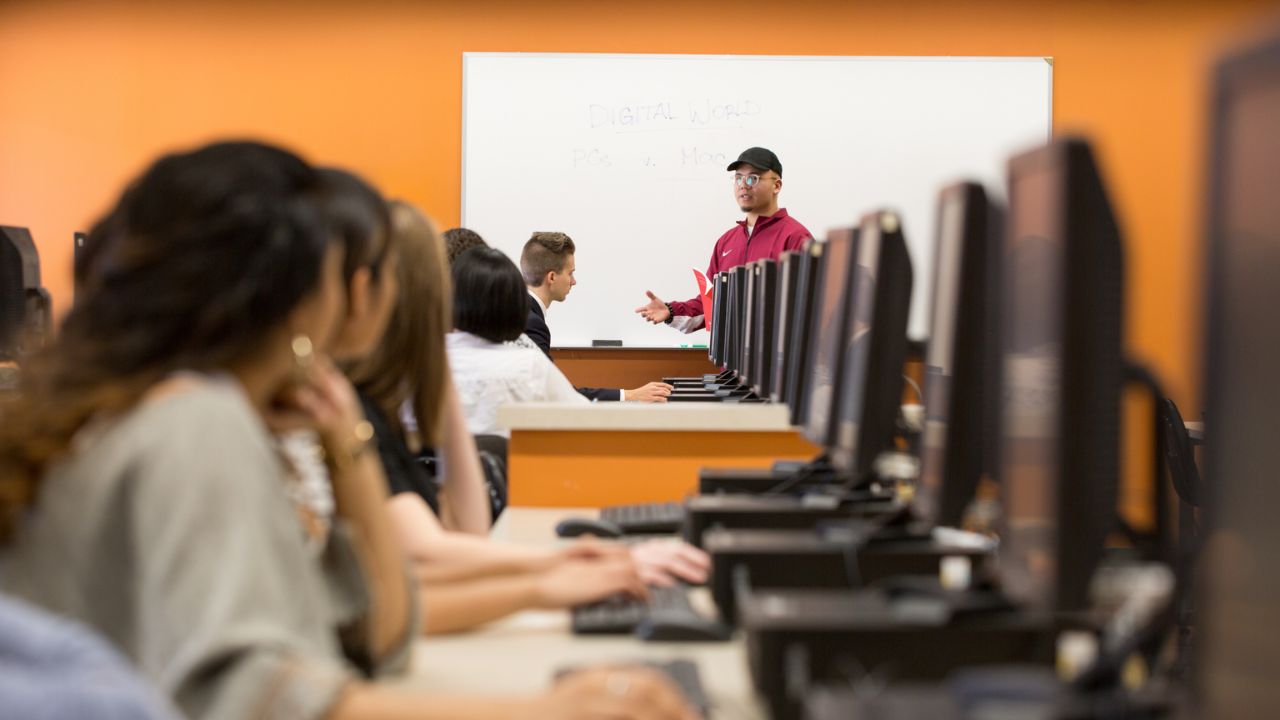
(31, 319)
(826, 335)
(1239, 596)
(719, 308)
(873, 342)
(960, 398)
(797, 381)
(1061, 372)
(746, 371)
(13, 302)
(731, 319)
(737, 316)
(764, 326)
(784, 305)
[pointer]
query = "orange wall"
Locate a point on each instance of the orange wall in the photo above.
(92, 91)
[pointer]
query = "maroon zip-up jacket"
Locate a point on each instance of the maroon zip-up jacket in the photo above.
(773, 235)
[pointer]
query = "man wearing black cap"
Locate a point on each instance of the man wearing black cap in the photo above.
(766, 232)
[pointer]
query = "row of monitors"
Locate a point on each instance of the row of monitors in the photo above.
(1022, 366)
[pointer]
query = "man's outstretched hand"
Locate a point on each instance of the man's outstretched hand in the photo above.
(652, 392)
(655, 311)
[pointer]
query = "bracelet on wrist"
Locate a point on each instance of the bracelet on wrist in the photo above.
(340, 459)
(670, 315)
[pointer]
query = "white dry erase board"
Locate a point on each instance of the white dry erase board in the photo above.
(627, 154)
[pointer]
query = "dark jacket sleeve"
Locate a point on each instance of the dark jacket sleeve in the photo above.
(600, 394)
(535, 326)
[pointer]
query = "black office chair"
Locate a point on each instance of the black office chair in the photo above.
(492, 450)
(493, 458)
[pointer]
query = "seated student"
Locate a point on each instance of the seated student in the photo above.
(462, 502)
(468, 581)
(459, 240)
(153, 504)
(489, 311)
(548, 265)
(55, 668)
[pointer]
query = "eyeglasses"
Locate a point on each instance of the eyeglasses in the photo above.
(749, 181)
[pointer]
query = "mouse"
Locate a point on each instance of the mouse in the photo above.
(575, 526)
(679, 628)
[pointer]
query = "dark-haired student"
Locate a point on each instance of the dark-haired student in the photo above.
(150, 501)
(489, 313)
(459, 240)
(548, 265)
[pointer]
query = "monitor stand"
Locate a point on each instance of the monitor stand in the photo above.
(844, 555)
(791, 475)
(893, 635)
(781, 511)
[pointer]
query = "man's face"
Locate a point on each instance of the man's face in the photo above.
(755, 189)
(561, 282)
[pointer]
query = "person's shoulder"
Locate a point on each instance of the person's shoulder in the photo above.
(192, 405)
(791, 225)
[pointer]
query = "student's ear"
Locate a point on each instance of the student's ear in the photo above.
(549, 278)
(777, 188)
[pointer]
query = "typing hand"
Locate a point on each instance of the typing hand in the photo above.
(654, 392)
(617, 693)
(591, 548)
(663, 562)
(655, 311)
(576, 582)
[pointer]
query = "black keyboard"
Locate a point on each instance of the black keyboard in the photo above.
(645, 518)
(621, 614)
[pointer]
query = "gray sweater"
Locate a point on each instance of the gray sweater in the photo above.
(170, 531)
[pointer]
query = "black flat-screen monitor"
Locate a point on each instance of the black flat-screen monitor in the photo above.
(784, 306)
(873, 342)
(960, 397)
(1061, 372)
(24, 323)
(826, 336)
(737, 317)
(764, 326)
(719, 316)
(797, 379)
(734, 306)
(746, 373)
(1239, 594)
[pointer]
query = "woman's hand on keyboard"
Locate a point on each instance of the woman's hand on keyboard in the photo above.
(664, 562)
(592, 548)
(577, 582)
(617, 693)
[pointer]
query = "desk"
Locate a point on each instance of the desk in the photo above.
(521, 654)
(615, 453)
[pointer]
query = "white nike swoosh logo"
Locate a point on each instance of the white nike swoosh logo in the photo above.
(725, 253)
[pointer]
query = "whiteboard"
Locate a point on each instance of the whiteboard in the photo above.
(627, 154)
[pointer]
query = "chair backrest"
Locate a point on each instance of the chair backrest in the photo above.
(493, 459)
(1178, 454)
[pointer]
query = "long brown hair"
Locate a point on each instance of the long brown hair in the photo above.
(410, 363)
(202, 258)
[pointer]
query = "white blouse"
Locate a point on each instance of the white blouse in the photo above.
(489, 374)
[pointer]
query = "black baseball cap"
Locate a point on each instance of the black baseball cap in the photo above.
(759, 158)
